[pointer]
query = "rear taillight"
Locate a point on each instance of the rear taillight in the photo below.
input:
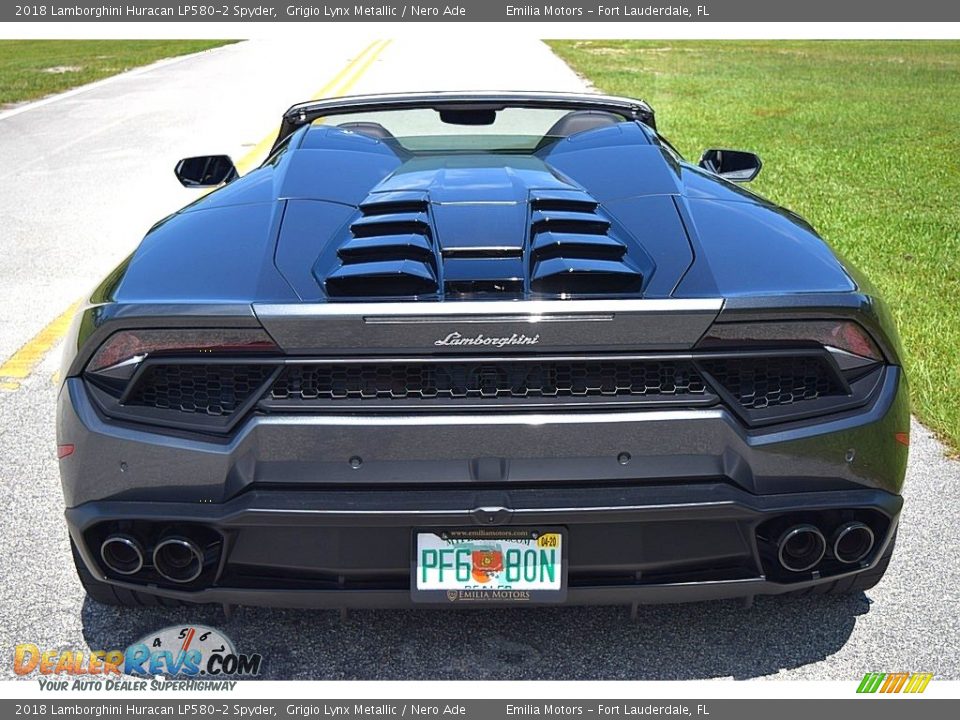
(193, 379)
(776, 371)
(843, 335)
(132, 346)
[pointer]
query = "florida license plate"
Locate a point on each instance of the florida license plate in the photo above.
(489, 565)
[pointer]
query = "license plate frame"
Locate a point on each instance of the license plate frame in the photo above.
(480, 538)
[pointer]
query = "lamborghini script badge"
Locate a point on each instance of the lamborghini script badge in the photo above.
(456, 338)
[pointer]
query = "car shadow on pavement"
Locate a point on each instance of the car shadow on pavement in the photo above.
(665, 642)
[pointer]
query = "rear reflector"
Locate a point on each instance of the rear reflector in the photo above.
(64, 451)
(902, 438)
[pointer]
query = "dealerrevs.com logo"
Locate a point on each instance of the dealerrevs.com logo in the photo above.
(900, 682)
(188, 657)
(456, 338)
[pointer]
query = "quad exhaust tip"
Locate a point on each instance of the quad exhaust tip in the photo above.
(123, 554)
(801, 547)
(178, 559)
(852, 542)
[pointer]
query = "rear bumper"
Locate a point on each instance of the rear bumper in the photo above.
(625, 545)
(659, 506)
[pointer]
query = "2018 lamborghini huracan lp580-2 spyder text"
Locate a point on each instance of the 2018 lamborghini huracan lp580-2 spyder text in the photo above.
(464, 349)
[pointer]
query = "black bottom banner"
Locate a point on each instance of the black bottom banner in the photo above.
(732, 709)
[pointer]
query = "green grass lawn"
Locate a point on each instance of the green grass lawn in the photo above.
(30, 69)
(862, 138)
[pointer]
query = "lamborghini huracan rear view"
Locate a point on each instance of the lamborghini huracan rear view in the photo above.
(480, 348)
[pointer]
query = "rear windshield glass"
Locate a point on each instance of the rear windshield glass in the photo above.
(428, 130)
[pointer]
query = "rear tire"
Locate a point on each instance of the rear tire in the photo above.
(107, 594)
(856, 583)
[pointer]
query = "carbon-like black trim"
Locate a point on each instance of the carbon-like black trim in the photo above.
(852, 392)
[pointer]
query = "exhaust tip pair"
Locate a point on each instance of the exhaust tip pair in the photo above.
(802, 547)
(175, 558)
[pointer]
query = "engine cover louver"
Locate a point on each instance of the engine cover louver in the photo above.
(391, 224)
(554, 242)
(390, 251)
(389, 277)
(572, 248)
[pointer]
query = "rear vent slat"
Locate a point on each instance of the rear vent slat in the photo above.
(394, 202)
(584, 276)
(548, 245)
(563, 200)
(392, 224)
(568, 221)
(394, 207)
(384, 279)
(387, 247)
(563, 205)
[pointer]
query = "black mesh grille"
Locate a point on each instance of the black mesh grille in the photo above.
(479, 380)
(759, 383)
(217, 390)
(214, 389)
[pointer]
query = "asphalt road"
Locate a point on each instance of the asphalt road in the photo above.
(93, 171)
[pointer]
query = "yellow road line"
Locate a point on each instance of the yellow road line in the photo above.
(366, 57)
(25, 360)
(363, 68)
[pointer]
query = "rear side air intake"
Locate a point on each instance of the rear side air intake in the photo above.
(573, 250)
(391, 251)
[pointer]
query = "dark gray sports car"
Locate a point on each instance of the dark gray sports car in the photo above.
(480, 348)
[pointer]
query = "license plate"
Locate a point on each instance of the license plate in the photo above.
(489, 565)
